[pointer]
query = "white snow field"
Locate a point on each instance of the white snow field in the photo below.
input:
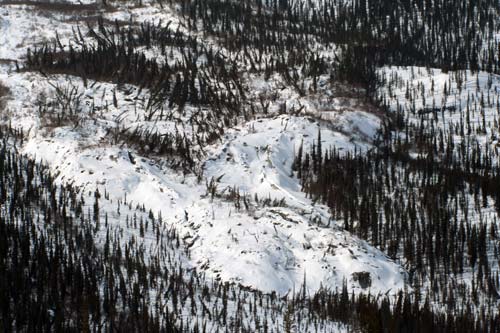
(274, 243)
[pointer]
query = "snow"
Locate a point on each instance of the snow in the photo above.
(258, 157)
(260, 247)
(270, 247)
(447, 112)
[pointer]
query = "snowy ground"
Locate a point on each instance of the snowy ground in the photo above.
(271, 247)
(463, 106)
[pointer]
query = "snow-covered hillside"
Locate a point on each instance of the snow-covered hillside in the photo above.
(256, 227)
(303, 157)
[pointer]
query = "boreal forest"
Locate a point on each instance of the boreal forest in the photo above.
(250, 166)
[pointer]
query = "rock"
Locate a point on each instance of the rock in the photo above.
(363, 278)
